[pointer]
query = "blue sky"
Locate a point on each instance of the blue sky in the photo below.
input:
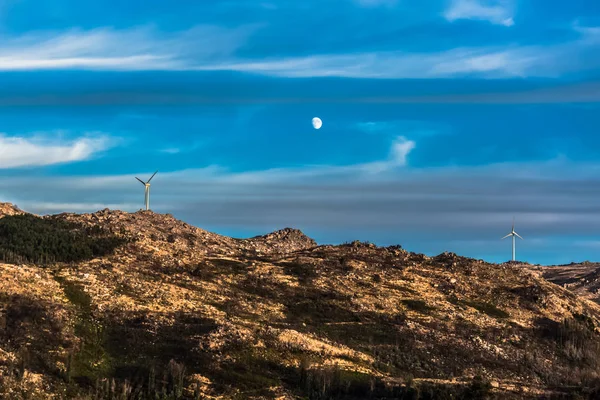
(441, 119)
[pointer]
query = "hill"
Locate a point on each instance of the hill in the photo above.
(151, 306)
(580, 278)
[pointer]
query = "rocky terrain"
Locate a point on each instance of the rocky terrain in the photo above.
(115, 305)
(580, 278)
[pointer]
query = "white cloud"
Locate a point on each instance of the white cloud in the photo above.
(549, 61)
(412, 128)
(499, 12)
(400, 150)
(132, 49)
(424, 209)
(397, 157)
(541, 195)
(39, 151)
(391, 64)
(486, 62)
(211, 48)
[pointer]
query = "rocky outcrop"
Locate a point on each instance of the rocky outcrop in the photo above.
(10, 209)
(283, 241)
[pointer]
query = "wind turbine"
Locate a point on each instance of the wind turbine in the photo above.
(147, 190)
(513, 234)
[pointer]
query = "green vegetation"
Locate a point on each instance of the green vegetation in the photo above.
(137, 349)
(28, 238)
(106, 364)
(335, 383)
(576, 337)
(166, 386)
(89, 361)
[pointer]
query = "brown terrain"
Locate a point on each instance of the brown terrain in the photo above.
(581, 278)
(173, 311)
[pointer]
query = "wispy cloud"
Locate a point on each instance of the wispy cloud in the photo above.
(212, 48)
(549, 61)
(383, 195)
(142, 48)
(391, 64)
(43, 150)
(397, 158)
(437, 204)
(411, 128)
(180, 148)
(499, 12)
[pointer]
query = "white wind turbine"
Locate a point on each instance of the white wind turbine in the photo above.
(513, 234)
(147, 190)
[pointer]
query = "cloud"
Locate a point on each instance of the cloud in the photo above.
(412, 128)
(39, 150)
(390, 64)
(497, 12)
(398, 155)
(213, 48)
(141, 48)
(493, 62)
(400, 150)
(425, 209)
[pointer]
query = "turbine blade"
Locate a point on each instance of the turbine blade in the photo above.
(151, 177)
(510, 234)
(141, 181)
(518, 235)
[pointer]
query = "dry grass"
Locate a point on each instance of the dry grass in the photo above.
(246, 323)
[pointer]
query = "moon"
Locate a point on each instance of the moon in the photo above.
(317, 123)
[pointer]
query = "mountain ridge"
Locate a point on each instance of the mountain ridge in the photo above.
(278, 316)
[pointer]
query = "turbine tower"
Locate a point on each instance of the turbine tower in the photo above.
(513, 234)
(147, 190)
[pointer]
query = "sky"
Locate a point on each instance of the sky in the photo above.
(442, 119)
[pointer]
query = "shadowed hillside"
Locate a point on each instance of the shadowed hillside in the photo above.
(580, 278)
(162, 308)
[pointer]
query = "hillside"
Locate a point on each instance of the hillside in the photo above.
(580, 278)
(149, 304)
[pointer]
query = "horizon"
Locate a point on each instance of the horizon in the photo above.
(441, 121)
(319, 243)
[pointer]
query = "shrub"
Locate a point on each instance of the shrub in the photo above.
(479, 388)
(28, 238)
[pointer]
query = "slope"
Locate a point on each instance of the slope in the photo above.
(580, 278)
(178, 309)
